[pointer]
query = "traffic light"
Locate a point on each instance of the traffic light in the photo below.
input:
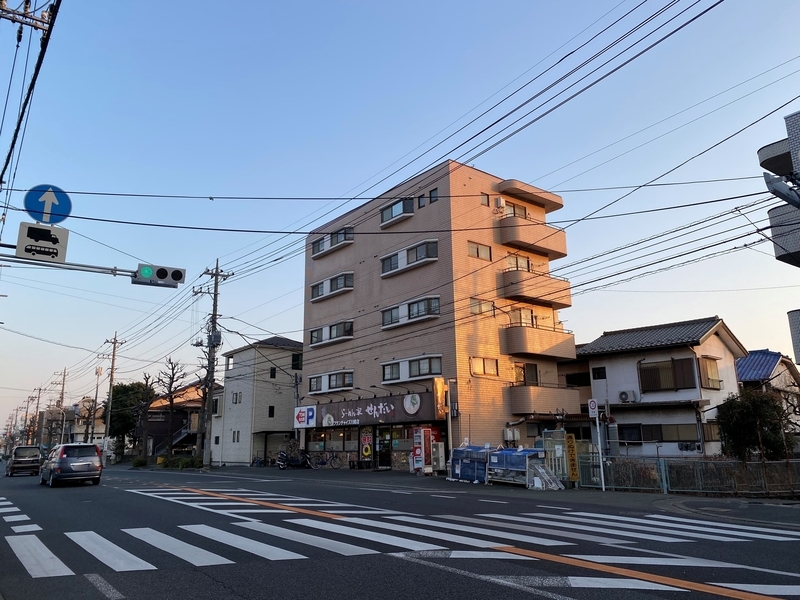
(159, 276)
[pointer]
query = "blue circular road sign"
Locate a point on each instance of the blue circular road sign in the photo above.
(47, 204)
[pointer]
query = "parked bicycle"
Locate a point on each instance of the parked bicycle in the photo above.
(257, 462)
(318, 461)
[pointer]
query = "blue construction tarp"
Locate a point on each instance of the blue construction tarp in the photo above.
(515, 458)
(469, 463)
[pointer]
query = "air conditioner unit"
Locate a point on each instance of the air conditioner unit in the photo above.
(627, 396)
(683, 446)
(499, 202)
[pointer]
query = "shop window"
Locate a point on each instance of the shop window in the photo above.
(351, 439)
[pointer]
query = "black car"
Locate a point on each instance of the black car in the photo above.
(72, 462)
(24, 459)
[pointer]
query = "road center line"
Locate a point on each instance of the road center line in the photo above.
(296, 509)
(670, 581)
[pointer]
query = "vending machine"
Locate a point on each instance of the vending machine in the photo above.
(422, 450)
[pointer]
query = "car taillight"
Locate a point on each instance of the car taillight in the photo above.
(63, 453)
(99, 452)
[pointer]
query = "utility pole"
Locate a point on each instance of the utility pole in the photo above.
(98, 371)
(39, 427)
(214, 341)
(115, 342)
(60, 402)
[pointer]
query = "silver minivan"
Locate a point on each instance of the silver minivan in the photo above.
(72, 462)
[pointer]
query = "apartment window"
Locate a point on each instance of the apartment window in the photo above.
(391, 371)
(675, 374)
(340, 282)
(522, 316)
(315, 384)
(434, 195)
(484, 366)
(484, 199)
(526, 373)
(402, 206)
(578, 379)
(515, 210)
(297, 361)
(518, 263)
(318, 246)
(709, 374)
(340, 380)
(236, 398)
(421, 308)
(421, 201)
(425, 366)
(479, 307)
(343, 329)
(271, 412)
(341, 236)
(477, 250)
(390, 316)
(598, 373)
(318, 290)
(389, 263)
(316, 336)
(273, 372)
(421, 252)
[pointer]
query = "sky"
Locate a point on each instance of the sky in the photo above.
(188, 133)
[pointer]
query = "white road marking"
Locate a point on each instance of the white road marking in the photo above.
(739, 528)
(107, 552)
(662, 561)
(552, 507)
(25, 528)
(311, 540)
(191, 554)
(9, 510)
(550, 521)
(494, 501)
(488, 532)
(6, 503)
(381, 538)
(440, 496)
(14, 518)
(516, 523)
(242, 543)
(103, 586)
(36, 558)
(769, 590)
(467, 554)
(439, 535)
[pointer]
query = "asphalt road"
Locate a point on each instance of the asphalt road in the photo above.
(252, 533)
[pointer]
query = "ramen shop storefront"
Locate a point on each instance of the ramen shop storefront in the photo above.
(374, 433)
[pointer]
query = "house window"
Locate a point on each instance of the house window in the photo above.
(477, 250)
(318, 246)
(343, 329)
(519, 263)
(630, 433)
(216, 440)
(421, 252)
(271, 412)
(434, 195)
(651, 433)
(316, 336)
(340, 380)
(390, 316)
(598, 373)
(709, 374)
(318, 290)
(421, 201)
(675, 374)
(341, 236)
(526, 373)
(340, 282)
(215, 406)
(711, 431)
(679, 433)
(272, 372)
(479, 307)
(297, 361)
(578, 379)
(425, 366)
(389, 263)
(402, 206)
(391, 371)
(235, 436)
(236, 398)
(484, 366)
(484, 199)
(515, 210)
(522, 316)
(315, 384)
(421, 308)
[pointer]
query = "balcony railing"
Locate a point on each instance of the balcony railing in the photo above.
(525, 233)
(537, 340)
(540, 288)
(543, 398)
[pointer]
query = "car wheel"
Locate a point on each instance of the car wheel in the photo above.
(96, 481)
(50, 481)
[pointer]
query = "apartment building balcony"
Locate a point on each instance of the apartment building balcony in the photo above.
(537, 341)
(524, 233)
(539, 288)
(543, 399)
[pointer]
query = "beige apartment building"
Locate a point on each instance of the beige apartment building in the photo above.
(442, 281)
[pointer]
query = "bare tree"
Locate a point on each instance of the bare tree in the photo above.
(144, 408)
(169, 381)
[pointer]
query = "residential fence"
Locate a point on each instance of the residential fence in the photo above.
(691, 476)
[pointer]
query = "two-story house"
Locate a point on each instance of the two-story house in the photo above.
(659, 386)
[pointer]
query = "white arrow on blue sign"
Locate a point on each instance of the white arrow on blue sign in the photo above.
(47, 204)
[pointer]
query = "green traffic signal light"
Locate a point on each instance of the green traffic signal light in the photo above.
(146, 271)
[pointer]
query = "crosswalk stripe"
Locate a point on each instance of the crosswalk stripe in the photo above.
(242, 543)
(342, 548)
(661, 561)
(772, 590)
(9, 510)
(517, 523)
(795, 534)
(381, 538)
(14, 518)
(439, 535)
(6, 503)
(488, 532)
(553, 522)
(191, 554)
(693, 527)
(25, 528)
(108, 553)
(463, 554)
(627, 524)
(36, 558)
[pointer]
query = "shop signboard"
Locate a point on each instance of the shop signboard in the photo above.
(373, 411)
(366, 443)
(572, 457)
(305, 416)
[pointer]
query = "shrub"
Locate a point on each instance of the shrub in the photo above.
(139, 462)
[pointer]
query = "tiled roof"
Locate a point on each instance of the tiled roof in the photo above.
(757, 366)
(683, 333)
(280, 342)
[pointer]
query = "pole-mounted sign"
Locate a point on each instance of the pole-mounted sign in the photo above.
(47, 204)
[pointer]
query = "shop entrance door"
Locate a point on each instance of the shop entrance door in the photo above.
(383, 447)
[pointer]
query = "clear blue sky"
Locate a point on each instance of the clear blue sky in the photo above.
(325, 99)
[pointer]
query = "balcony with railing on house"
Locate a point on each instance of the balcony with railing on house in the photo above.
(532, 286)
(525, 233)
(523, 338)
(528, 398)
